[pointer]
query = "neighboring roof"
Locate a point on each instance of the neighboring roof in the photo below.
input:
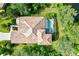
(27, 31)
(2, 5)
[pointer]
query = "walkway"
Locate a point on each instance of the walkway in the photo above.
(4, 36)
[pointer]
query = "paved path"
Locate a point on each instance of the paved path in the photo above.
(4, 36)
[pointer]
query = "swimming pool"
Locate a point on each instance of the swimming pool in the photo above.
(49, 26)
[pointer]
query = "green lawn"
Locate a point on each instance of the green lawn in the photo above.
(5, 23)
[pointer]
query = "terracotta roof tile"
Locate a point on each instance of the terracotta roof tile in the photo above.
(30, 23)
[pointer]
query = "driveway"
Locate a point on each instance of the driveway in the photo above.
(4, 36)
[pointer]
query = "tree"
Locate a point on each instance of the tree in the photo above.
(5, 48)
(64, 46)
(34, 50)
(24, 9)
(21, 50)
(68, 30)
(17, 9)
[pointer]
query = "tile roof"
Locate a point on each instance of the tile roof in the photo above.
(27, 31)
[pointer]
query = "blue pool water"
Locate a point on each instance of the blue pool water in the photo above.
(49, 26)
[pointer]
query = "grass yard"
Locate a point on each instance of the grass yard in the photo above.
(5, 23)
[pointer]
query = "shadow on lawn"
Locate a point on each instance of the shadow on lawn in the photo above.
(55, 35)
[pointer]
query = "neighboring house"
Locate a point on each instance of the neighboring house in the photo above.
(30, 30)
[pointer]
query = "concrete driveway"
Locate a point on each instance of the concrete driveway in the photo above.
(4, 36)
